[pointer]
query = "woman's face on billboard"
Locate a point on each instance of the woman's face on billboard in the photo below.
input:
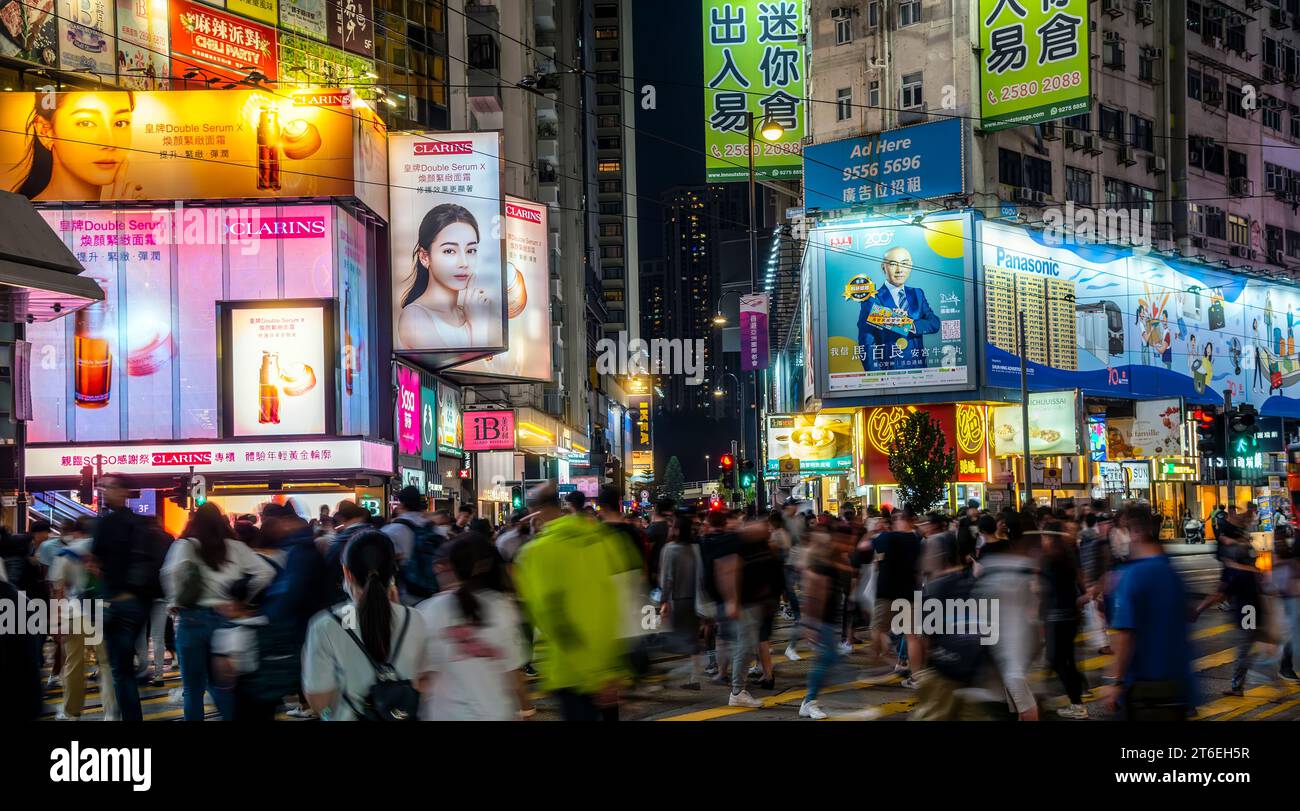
(88, 135)
(452, 258)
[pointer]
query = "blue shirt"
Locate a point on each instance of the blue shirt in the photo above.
(1150, 601)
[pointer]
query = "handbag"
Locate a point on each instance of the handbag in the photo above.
(391, 697)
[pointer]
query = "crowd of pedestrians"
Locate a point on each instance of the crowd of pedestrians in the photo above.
(434, 615)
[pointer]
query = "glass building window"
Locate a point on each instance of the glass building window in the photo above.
(843, 103)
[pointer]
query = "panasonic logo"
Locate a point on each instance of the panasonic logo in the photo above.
(90, 765)
(444, 148)
(1029, 264)
(521, 213)
(279, 228)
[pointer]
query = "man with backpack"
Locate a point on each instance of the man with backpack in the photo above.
(128, 554)
(945, 661)
(352, 519)
(417, 542)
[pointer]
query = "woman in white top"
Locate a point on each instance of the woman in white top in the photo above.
(440, 305)
(476, 644)
(373, 626)
(199, 575)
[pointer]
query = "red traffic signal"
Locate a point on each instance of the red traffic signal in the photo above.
(727, 461)
(715, 503)
(1204, 419)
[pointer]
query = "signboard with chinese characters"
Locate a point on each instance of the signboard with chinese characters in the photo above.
(142, 44)
(489, 430)
(447, 242)
(219, 44)
(1053, 425)
(305, 17)
(1111, 476)
(86, 34)
(894, 308)
(305, 61)
(408, 411)
(264, 10)
(753, 332)
(963, 427)
(902, 165)
(351, 26)
(1034, 61)
(753, 65)
(268, 456)
(277, 367)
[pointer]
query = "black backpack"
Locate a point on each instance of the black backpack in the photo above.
(957, 655)
(391, 697)
(418, 572)
(149, 544)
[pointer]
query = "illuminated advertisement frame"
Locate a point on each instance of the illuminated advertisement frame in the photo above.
(327, 379)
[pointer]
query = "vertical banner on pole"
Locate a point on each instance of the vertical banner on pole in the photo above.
(753, 332)
(22, 382)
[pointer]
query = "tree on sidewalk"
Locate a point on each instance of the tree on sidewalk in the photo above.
(921, 461)
(674, 484)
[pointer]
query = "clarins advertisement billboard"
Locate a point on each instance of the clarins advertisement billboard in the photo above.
(278, 367)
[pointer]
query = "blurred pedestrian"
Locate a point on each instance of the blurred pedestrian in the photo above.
(1063, 593)
(824, 583)
(680, 585)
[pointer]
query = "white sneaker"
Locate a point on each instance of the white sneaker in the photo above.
(811, 709)
(791, 653)
(755, 671)
(301, 712)
(63, 716)
(51, 682)
(910, 683)
(176, 695)
(846, 648)
(1077, 712)
(743, 699)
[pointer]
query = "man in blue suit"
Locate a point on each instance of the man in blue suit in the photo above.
(902, 347)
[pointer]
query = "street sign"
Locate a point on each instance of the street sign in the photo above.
(788, 479)
(1052, 478)
(789, 466)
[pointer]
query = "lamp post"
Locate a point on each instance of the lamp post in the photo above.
(706, 468)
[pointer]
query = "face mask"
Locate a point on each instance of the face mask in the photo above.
(1119, 542)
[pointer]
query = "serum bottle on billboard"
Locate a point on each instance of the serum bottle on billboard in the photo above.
(268, 149)
(94, 357)
(268, 389)
(349, 350)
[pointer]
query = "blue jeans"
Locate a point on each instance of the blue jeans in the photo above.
(791, 596)
(744, 646)
(194, 648)
(828, 655)
(1292, 608)
(123, 620)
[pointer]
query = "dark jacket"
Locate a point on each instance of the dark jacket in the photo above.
(112, 548)
(302, 587)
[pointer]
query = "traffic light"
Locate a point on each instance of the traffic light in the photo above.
(1243, 418)
(517, 497)
(715, 503)
(726, 462)
(1208, 433)
(180, 494)
(747, 477)
(86, 486)
(198, 490)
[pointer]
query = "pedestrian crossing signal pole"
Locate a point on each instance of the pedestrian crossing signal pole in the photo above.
(1227, 443)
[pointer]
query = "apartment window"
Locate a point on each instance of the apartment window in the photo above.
(873, 96)
(1272, 239)
(609, 167)
(1212, 158)
(607, 56)
(843, 103)
(1210, 89)
(1236, 164)
(873, 14)
(607, 10)
(607, 99)
(1142, 132)
(611, 251)
(1114, 192)
(611, 207)
(1112, 123)
(609, 142)
(1112, 54)
(1272, 116)
(607, 120)
(1082, 121)
(1216, 223)
(1295, 121)
(1271, 52)
(1293, 243)
(910, 95)
(610, 187)
(607, 32)
(1078, 185)
(1274, 177)
(1193, 84)
(1234, 101)
(1236, 39)
(614, 295)
(1238, 230)
(1193, 16)
(1015, 169)
(843, 25)
(1146, 67)
(909, 13)
(611, 229)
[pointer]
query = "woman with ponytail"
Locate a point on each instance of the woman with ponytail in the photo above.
(476, 644)
(349, 644)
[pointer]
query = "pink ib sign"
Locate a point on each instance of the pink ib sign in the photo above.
(408, 411)
(489, 430)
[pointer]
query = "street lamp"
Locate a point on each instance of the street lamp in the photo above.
(706, 467)
(771, 130)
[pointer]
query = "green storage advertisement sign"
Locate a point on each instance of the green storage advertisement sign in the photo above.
(753, 63)
(1033, 61)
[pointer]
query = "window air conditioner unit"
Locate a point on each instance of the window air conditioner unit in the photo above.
(1279, 18)
(1239, 187)
(1275, 256)
(1051, 131)
(1212, 98)
(1156, 165)
(1112, 7)
(1091, 144)
(1144, 14)
(1125, 155)
(1110, 36)
(1198, 242)
(1074, 139)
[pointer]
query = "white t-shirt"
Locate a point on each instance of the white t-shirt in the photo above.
(333, 662)
(240, 561)
(473, 664)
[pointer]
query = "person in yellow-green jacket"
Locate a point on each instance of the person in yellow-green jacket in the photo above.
(569, 580)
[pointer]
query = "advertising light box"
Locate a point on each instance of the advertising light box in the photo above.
(489, 430)
(1053, 425)
(180, 145)
(821, 441)
(408, 411)
(894, 306)
(449, 287)
(278, 367)
(143, 44)
(1034, 61)
(142, 365)
(87, 36)
(267, 456)
(220, 44)
(900, 165)
(451, 435)
(1117, 321)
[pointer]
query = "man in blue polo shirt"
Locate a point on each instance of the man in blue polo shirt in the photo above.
(1152, 672)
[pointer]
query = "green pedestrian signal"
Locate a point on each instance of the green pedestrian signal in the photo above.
(517, 497)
